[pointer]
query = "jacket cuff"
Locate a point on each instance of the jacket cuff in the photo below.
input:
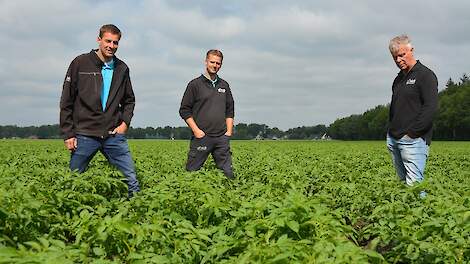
(69, 135)
(127, 121)
(186, 116)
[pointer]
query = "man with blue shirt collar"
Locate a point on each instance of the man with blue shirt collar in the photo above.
(412, 110)
(107, 73)
(208, 109)
(96, 107)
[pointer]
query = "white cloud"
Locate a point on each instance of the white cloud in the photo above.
(289, 63)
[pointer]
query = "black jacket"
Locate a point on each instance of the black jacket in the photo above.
(209, 106)
(414, 103)
(80, 104)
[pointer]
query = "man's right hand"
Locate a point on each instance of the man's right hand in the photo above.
(71, 143)
(199, 134)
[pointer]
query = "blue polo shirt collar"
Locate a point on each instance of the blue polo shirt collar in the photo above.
(214, 82)
(108, 65)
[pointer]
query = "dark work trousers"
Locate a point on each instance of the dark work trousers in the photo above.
(219, 147)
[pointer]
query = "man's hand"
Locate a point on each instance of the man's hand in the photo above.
(229, 123)
(71, 143)
(199, 134)
(121, 129)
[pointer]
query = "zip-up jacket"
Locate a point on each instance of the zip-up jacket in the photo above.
(209, 106)
(414, 103)
(81, 111)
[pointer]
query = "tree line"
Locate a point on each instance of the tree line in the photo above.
(241, 131)
(452, 123)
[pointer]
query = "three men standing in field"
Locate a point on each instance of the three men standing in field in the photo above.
(96, 107)
(414, 104)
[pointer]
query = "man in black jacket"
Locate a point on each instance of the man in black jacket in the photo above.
(414, 104)
(208, 109)
(96, 107)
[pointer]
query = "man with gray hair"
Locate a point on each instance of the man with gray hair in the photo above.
(414, 104)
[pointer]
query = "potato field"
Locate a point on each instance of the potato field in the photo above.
(290, 202)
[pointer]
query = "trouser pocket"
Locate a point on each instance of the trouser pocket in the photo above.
(199, 149)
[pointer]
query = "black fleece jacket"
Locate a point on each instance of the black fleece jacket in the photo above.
(414, 103)
(80, 104)
(209, 106)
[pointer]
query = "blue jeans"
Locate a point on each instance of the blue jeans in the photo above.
(409, 157)
(114, 148)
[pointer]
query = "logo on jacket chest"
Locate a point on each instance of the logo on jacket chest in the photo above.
(221, 90)
(410, 81)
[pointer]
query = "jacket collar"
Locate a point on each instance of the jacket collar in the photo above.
(98, 62)
(212, 82)
(415, 67)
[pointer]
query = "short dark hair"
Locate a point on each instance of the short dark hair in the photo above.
(215, 52)
(111, 29)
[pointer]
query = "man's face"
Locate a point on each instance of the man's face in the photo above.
(108, 44)
(213, 64)
(404, 58)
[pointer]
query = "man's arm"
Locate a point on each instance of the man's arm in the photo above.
(67, 100)
(229, 123)
(198, 133)
(187, 103)
(186, 111)
(429, 96)
(127, 104)
(229, 112)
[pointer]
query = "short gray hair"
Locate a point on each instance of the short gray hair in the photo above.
(397, 41)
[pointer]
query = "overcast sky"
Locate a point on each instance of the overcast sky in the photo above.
(289, 63)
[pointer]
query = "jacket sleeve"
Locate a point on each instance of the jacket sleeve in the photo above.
(67, 99)
(230, 105)
(127, 101)
(391, 109)
(429, 97)
(187, 103)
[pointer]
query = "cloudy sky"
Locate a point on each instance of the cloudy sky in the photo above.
(289, 63)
